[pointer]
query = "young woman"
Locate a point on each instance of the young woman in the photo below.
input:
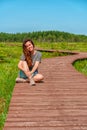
(29, 63)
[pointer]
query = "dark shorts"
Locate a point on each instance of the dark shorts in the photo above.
(22, 74)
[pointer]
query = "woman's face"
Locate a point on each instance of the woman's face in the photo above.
(29, 46)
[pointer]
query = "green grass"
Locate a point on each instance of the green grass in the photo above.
(64, 46)
(81, 66)
(9, 56)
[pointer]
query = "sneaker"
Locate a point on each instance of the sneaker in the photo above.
(32, 82)
(21, 80)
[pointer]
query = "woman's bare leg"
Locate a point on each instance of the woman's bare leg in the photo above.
(38, 77)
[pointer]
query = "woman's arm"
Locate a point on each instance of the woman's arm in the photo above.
(35, 67)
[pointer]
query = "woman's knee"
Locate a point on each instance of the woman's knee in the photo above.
(25, 66)
(38, 77)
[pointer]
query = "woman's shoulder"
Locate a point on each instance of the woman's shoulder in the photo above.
(38, 53)
(22, 56)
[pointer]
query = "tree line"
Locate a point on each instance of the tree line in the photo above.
(43, 36)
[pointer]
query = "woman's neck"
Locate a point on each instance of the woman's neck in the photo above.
(33, 52)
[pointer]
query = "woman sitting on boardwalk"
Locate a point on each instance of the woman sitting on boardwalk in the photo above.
(29, 63)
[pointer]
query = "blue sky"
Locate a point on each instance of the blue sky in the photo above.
(43, 15)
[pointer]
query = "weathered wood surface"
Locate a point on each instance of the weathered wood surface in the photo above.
(60, 103)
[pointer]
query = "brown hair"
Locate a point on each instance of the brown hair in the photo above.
(27, 53)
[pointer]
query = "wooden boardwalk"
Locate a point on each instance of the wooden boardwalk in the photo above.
(60, 103)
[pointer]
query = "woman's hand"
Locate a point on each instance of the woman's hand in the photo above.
(28, 73)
